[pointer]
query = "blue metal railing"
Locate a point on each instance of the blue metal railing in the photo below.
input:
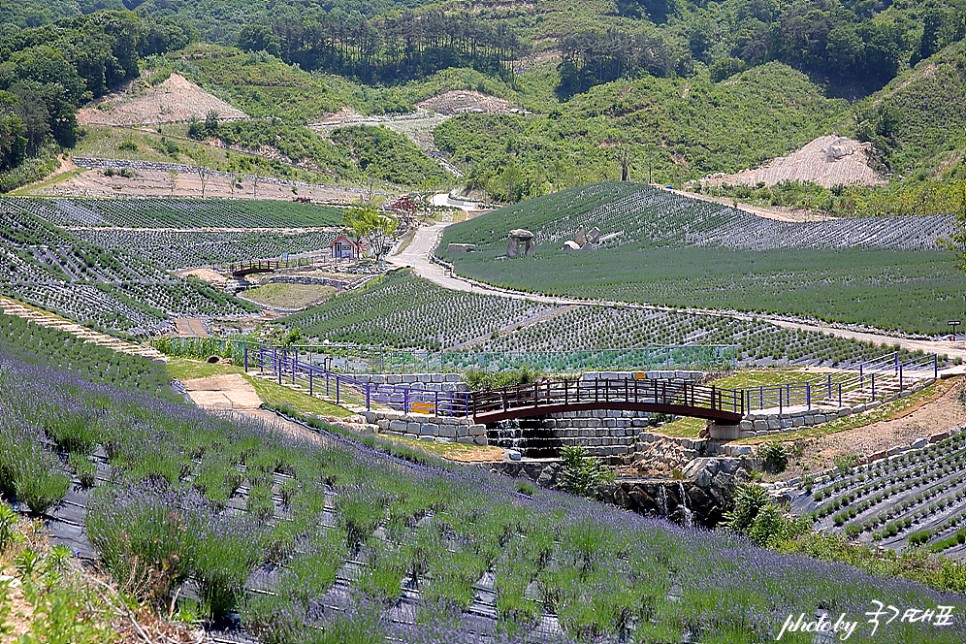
(287, 368)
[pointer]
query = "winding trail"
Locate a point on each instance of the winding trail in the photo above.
(417, 255)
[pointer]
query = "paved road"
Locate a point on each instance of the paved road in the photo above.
(417, 256)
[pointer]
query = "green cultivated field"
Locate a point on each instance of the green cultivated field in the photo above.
(265, 526)
(668, 250)
(408, 312)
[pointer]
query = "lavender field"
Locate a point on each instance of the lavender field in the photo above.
(329, 540)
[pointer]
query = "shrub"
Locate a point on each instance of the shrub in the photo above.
(747, 501)
(83, 467)
(775, 456)
(581, 474)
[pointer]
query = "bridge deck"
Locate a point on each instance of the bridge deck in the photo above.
(558, 396)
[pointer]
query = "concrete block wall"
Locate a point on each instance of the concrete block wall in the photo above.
(428, 428)
(430, 381)
(765, 424)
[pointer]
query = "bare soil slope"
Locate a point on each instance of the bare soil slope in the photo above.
(176, 99)
(828, 161)
(159, 183)
(466, 102)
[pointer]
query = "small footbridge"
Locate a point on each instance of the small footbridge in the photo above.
(558, 396)
(239, 270)
(816, 400)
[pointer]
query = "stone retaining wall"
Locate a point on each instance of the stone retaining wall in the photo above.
(305, 279)
(441, 429)
(765, 424)
(430, 381)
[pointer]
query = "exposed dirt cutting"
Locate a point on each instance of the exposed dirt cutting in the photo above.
(827, 161)
(466, 101)
(176, 99)
(158, 183)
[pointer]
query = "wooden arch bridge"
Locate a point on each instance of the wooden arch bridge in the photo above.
(660, 396)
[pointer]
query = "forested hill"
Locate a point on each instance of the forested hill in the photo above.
(681, 88)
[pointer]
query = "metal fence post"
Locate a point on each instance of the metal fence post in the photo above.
(246, 359)
(311, 387)
(368, 396)
(406, 400)
(900, 378)
(337, 393)
(873, 386)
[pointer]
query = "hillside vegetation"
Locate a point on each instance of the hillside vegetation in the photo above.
(665, 249)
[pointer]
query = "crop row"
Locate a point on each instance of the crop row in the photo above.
(174, 250)
(111, 289)
(893, 484)
(668, 250)
(845, 479)
(885, 499)
(404, 311)
(175, 213)
(27, 341)
(637, 215)
(340, 539)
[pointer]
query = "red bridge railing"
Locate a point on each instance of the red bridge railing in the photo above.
(554, 396)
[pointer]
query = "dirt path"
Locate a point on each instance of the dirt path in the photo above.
(793, 216)
(418, 253)
(191, 327)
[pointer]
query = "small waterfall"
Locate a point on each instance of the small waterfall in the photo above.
(686, 514)
(506, 434)
(662, 501)
(530, 437)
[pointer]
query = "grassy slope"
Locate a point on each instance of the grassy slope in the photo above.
(922, 114)
(861, 285)
(171, 147)
(683, 128)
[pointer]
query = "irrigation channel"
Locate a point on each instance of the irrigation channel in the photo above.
(871, 381)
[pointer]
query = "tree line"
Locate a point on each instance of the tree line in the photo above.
(383, 49)
(47, 72)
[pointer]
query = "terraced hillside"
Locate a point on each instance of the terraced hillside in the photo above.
(321, 537)
(175, 213)
(112, 290)
(183, 249)
(408, 312)
(917, 498)
(661, 248)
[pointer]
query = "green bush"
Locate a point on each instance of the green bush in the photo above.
(581, 474)
(775, 456)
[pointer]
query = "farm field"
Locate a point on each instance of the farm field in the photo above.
(408, 312)
(289, 296)
(183, 249)
(108, 289)
(913, 499)
(175, 213)
(355, 541)
(664, 249)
